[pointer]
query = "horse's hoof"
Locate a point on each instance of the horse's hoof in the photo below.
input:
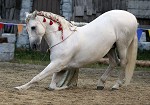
(100, 87)
(113, 89)
(50, 89)
(17, 88)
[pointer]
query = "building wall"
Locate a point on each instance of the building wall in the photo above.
(66, 9)
(88, 10)
(27, 6)
(9, 12)
(140, 8)
(23, 39)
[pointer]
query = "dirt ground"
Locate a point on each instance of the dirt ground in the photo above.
(12, 74)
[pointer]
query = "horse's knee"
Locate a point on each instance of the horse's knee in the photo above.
(123, 63)
(113, 64)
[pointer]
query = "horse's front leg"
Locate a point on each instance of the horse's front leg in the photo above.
(54, 81)
(50, 69)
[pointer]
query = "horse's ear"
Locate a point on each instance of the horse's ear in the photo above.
(27, 14)
(34, 13)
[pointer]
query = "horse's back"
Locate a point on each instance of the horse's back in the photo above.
(97, 37)
(114, 18)
(114, 24)
(124, 23)
(121, 19)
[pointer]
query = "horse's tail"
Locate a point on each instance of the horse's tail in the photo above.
(131, 58)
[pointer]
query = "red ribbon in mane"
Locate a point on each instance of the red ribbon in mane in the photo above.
(60, 28)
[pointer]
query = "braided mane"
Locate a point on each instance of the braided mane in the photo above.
(61, 21)
(55, 18)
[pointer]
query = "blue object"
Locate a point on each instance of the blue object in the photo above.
(139, 33)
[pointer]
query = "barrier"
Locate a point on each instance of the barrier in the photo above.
(142, 63)
(7, 47)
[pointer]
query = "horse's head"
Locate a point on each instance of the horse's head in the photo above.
(41, 23)
(35, 29)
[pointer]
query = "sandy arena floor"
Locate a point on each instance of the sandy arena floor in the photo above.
(12, 74)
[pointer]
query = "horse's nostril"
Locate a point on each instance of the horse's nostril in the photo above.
(34, 46)
(33, 28)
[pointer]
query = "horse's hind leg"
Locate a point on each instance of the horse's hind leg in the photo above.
(122, 50)
(113, 62)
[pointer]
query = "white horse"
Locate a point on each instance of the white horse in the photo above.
(74, 47)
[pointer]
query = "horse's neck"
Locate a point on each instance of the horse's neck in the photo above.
(54, 37)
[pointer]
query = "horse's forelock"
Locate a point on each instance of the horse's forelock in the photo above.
(31, 16)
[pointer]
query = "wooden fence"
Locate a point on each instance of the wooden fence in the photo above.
(88, 10)
(47, 5)
(10, 11)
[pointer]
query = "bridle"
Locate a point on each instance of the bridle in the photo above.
(62, 40)
(55, 33)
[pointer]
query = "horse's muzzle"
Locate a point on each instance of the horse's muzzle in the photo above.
(35, 46)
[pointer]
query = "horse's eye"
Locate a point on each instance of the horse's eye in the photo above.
(33, 28)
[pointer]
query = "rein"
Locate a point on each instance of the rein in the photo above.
(57, 43)
(62, 40)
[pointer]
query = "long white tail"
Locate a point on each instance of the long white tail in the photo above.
(131, 57)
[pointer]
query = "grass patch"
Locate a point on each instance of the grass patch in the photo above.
(142, 68)
(42, 58)
(143, 55)
(31, 57)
